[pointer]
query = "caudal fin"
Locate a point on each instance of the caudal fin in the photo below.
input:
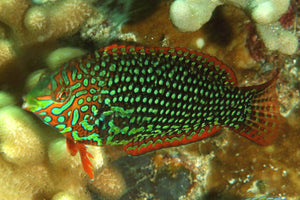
(263, 123)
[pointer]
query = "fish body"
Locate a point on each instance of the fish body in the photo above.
(150, 98)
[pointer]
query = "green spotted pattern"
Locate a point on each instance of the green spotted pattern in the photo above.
(124, 95)
(130, 96)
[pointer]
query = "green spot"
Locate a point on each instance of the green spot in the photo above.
(110, 82)
(137, 99)
(97, 67)
(94, 110)
(93, 80)
(60, 126)
(112, 67)
(88, 99)
(142, 80)
(85, 82)
(61, 119)
(84, 108)
(103, 64)
(75, 117)
(107, 101)
(93, 91)
(115, 99)
(80, 101)
(112, 92)
(47, 119)
(116, 80)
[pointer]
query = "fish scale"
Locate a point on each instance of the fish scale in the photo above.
(156, 78)
(150, 98)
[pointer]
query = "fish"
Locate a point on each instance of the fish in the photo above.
(150, 98)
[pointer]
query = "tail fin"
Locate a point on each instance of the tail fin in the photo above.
(263, 123)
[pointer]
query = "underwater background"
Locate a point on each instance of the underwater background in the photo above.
(253, 37)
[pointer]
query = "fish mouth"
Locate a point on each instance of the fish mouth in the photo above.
(29, 106)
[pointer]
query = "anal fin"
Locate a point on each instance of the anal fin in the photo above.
(144, 143)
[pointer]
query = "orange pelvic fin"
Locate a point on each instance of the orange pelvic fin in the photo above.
(85, 156)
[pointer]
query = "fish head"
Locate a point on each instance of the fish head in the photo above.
(47, 100)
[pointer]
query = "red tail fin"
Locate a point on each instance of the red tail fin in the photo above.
(264, 122)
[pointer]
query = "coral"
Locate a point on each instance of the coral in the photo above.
(29, 25)
(101, 30)
(62, 55)
(34, 161)
(64, 196)
(267, 11)
(190, 15)
(6, 52)
(109, 183)
(6, 99)
(276, 38)
(12, 142)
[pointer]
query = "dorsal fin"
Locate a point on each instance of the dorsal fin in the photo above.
(206, 60)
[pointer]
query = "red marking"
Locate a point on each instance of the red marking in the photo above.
(71, 147)
(43, 98)
(151, 147)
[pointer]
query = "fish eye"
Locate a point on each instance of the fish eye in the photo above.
(43, 76)
(62, 95)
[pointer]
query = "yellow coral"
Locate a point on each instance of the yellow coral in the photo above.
(57, 20)
(6, 99)
(62, 55)
(64, 196)
(6, 52)
(12, 13)
(16, 130)
(36, 20)
(109, 183)
(76, 11)
(38, 166)
(39, 23)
